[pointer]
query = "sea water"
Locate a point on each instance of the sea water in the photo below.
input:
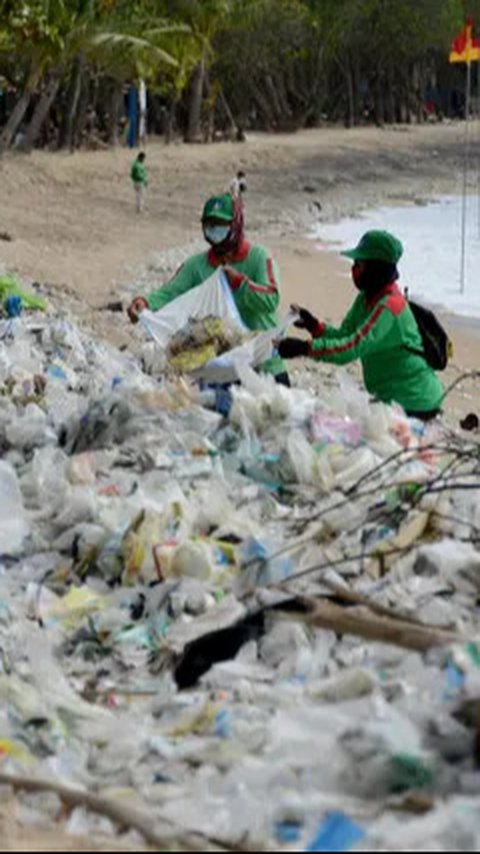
(431, 234)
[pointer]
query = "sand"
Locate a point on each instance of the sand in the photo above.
(73, 220)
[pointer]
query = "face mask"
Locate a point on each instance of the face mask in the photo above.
(372, 276)
(216, 234)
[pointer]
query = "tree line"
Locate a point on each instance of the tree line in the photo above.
(217, 68)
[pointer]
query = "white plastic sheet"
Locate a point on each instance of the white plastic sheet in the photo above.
(211, 299)
(226, 368)
(13, 523)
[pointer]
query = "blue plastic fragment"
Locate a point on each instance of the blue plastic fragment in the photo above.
(287, 832)
(57, 373)
(337, 833)
(455, 681)
(13, 306)
(223, 724)
(223, 400)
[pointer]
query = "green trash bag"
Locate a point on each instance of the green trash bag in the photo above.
(9, 287)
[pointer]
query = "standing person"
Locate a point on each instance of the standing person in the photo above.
(238, 185)
(380, 330)
(251, 272)
(139, 176)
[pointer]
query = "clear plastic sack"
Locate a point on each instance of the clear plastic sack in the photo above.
(213, 298)
(14, 527)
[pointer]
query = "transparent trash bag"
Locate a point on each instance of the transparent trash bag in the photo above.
(13, 523)
(211, 299)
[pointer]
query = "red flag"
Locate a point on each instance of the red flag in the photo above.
(465, 47)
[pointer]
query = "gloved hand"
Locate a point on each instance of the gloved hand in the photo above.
(307, 321)
(135, 308)
(291, 348)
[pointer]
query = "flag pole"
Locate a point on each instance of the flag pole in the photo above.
(478, 145)
(465, 176)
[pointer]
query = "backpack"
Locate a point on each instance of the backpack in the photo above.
(437, 347)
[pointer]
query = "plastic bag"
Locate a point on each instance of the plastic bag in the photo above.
(212, 298)
(230, 366)
(336, 833)
(10, 287)
(31, 430)
(13, 523)
(191, 559)
(331, 430)
(45, 484)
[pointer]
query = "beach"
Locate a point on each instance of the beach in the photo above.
(73, 225)
(70, 225)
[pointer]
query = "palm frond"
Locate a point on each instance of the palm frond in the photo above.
(132, 43)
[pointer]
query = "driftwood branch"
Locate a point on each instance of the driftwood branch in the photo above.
(119, 812)
(352, 597)
(363, 623)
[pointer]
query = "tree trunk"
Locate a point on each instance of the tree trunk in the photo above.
(356, 78)
(42, 109)
(80, 119)
(73, 98)
(283, 97)
(417, 90)
(379, 101)
(264, 105)
(229, 114)
(171, 120)
(15, 120)
(274, 99)
(194, 128)
(350, 115)
(210, 105)
(391, 111)
(115, 102)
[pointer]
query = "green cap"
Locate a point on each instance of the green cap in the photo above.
(219, 207)
(377, 246)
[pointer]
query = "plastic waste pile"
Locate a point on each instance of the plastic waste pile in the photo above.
(259, 631)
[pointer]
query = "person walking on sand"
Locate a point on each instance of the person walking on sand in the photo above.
(139, 176)
(238, 185)
(380, 329)
(250, 270)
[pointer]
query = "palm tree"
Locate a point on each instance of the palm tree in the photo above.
(33, 38)
(205, 18)
(65, 36)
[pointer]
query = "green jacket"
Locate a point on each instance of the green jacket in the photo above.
(380, 333)
(255, 289)
(139, 173)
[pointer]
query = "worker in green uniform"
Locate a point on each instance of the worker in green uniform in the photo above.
(139, 176)
(379, 329)
(251, 272)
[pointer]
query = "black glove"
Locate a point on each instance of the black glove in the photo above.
(307, 321)
(290, 348)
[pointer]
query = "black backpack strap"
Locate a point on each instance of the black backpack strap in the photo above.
(415, 352)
